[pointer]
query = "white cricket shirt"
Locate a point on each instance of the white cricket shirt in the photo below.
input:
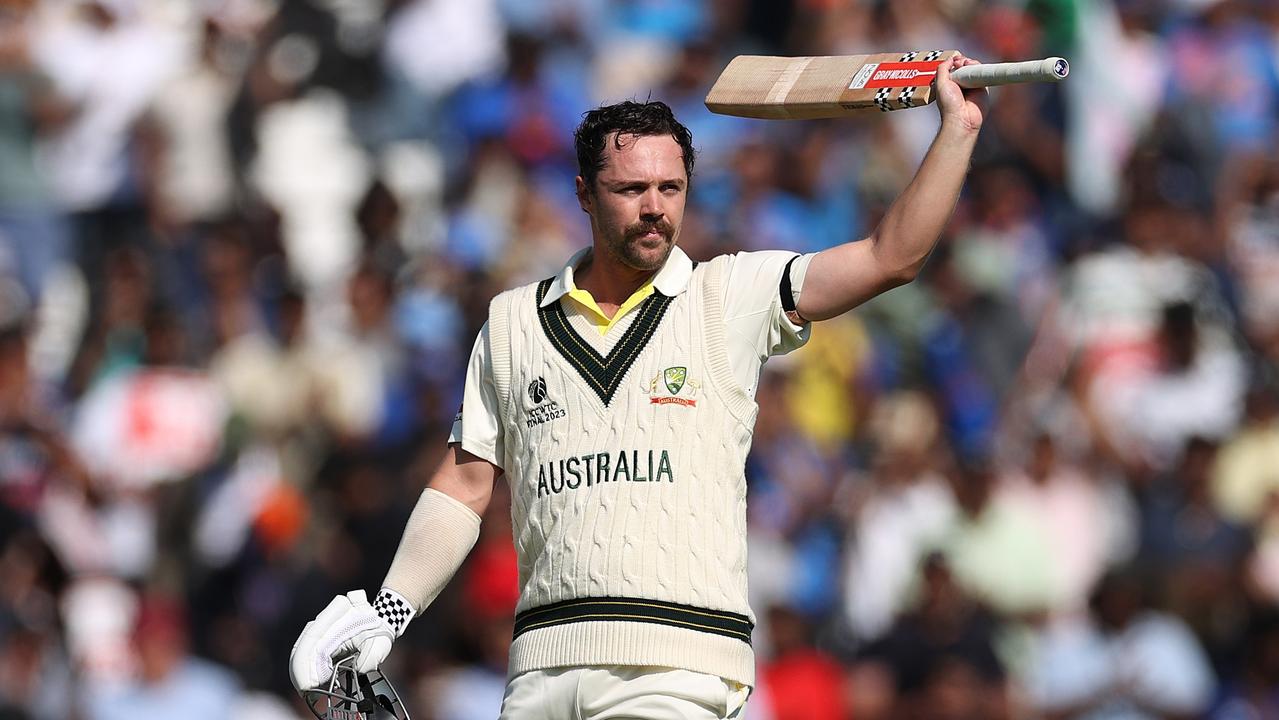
(757, 329)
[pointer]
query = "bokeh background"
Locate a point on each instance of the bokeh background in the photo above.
(245, 246)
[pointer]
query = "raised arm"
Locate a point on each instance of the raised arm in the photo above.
(845, 276)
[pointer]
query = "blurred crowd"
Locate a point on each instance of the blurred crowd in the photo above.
(245, 247)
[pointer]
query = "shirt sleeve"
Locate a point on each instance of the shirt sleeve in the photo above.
(478, 426)
(753, 300)
(758, 327)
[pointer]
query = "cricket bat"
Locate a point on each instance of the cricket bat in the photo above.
(762, 86)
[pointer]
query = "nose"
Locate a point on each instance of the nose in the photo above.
(651, 207)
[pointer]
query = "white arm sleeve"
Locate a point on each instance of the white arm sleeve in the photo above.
(439, 535)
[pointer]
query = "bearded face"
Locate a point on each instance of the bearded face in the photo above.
(637, 200)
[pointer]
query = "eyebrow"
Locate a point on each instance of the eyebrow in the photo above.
(617, 184)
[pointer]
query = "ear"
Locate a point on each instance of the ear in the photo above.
(584, 198)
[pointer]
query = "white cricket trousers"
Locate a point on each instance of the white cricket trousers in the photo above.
(622, 693)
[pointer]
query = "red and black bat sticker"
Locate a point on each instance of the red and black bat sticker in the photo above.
(894, 74)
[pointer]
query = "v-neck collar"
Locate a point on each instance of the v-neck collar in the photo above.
(602, 374)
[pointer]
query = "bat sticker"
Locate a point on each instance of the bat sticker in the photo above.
(898, 74)
(859, 80)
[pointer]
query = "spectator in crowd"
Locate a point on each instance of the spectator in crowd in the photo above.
(1197, 553)
(941, 656)
(999, 551)
(900, 518)
(1253, 691)
(1124, 660)
(803, 682)
(1244, 478)
(1088, 526)
(169, 682)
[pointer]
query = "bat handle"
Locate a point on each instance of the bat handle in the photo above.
(1050, 69)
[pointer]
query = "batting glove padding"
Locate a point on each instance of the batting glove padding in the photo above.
(349, 624)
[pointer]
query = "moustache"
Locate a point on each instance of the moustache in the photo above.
(661, 227)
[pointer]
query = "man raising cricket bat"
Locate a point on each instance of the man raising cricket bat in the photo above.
(617, 398)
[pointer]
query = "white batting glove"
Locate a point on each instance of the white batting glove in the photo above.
(349, 624)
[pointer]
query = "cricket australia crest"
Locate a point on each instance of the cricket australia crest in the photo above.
(679, 389)
(674, 378)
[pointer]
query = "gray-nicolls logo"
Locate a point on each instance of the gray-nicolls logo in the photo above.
(537, 391)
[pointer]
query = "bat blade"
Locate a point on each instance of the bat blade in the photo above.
(770, 87)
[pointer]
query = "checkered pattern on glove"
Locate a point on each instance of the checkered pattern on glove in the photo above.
(394, 609)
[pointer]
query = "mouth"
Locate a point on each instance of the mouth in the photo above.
(650, 236)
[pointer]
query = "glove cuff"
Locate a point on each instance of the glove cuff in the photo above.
(394, 609)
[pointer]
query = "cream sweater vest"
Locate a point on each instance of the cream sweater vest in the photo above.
(628, 485)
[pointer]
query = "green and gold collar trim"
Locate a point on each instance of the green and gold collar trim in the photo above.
(602, 374)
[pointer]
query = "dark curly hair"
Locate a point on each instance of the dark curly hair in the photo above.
(626, 118)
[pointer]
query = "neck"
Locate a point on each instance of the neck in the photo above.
(607, 280)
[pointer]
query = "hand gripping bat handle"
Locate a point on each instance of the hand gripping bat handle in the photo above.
(1050, 69)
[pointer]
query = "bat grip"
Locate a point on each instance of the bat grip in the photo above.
(1050, 69)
